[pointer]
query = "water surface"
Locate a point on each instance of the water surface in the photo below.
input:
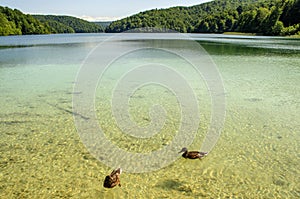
(257, 154)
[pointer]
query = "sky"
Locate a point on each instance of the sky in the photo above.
(94, 10)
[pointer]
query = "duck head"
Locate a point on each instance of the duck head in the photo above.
(184, 149)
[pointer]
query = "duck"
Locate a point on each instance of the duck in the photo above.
(192, 154)
(113, 179)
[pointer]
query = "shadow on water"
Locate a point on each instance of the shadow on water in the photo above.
(174, 185)
(253, 99)
(12, 122)
(169, 184)
(67, 111)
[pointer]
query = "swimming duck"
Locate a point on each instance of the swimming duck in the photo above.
(192, 154)
(113, 179)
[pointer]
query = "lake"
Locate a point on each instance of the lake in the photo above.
(76, 106)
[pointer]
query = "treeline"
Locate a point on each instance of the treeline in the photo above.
(68, 24)
(266, 17)
(14, 22)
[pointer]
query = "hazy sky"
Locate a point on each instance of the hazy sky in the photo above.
(94, 9)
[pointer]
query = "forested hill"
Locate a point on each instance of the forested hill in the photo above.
(267, 17)
(104, 24)
(68, 24)
(14, 22)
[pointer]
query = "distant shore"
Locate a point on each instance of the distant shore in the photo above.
(242, 33)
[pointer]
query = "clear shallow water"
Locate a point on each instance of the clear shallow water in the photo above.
(257, 155)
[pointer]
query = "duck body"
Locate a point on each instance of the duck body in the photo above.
(113, 179)
(192, 154)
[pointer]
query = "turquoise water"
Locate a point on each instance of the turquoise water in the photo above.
(256, 156)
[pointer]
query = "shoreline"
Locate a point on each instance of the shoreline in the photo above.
(224, 33)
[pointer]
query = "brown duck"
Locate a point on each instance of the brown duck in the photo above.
(192, 154)
(113, 179)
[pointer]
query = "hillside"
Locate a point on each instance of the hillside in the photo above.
(68, 24)
(267, 17)
(104, 24)
(14, 22)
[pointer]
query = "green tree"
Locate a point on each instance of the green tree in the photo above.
(6, 27)
(277, 29)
